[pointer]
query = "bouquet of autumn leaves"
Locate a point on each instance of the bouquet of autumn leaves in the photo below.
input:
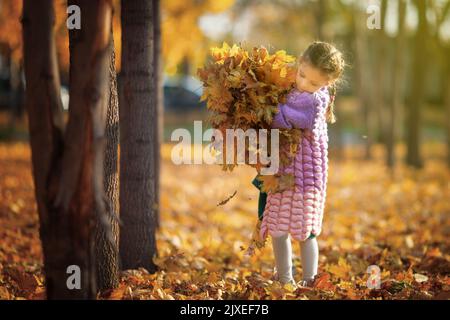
(243, 90)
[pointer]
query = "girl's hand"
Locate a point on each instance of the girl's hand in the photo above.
(298, 112)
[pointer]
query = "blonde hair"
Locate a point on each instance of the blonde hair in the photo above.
(330, 61)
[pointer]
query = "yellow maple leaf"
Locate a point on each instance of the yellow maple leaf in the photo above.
(269, 183)
(342, 269)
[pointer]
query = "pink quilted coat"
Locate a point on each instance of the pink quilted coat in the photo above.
(299, 211)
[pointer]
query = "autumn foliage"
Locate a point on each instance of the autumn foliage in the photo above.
(243, 89)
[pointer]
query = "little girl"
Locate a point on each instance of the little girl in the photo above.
(299, 210)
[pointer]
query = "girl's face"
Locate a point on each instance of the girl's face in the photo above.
(310, 79)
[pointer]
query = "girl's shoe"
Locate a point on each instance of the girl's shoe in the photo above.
(291, 281)
(306, 283)
(285, 282)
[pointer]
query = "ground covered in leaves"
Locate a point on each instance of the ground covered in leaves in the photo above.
(400, 224)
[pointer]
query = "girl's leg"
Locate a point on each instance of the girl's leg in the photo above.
(310, 258)
(282, 250)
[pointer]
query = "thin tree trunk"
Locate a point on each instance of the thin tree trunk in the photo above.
(397, 89)
(185, 71)
(321, 11)
(67, 171)
(416, 100)
(363, 75)
(369, 111)
(46, 127)
(320, 8)
(447, 103)
(159, 102)
(107, 242)
(16, 111)
(138, 117)
(379, 83)
(444, 53)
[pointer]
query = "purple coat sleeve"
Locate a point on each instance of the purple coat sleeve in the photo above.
(298, 112)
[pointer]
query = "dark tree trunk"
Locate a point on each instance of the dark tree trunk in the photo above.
(107, 242)
(46, 130)
(138, 118)
(416, 100)
(67, 171)
(15, 103)
(159, 103)
(380, 75)
(394, 121)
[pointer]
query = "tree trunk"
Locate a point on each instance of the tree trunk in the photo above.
(369, 111)
(107, 243)
(320, 9)
(416, 100)
(67, 171)
(159, 102)
(363, 76)
(394, 121)
(447, 103)
(138, 117)
(380, 75)
(15, 103)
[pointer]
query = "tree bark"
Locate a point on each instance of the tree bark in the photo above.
(45, 123)
(159, 102)
(416, 100)
(67, 170)
(107, 241)
(138, 118)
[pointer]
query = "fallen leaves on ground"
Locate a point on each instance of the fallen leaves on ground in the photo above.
(400, 225)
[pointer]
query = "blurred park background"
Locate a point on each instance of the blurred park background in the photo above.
(388, 202)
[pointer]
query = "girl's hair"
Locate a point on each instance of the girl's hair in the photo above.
(329, 61)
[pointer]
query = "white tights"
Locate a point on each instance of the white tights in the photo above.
(282, 250)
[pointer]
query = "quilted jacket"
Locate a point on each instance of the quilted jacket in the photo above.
(299, 210)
